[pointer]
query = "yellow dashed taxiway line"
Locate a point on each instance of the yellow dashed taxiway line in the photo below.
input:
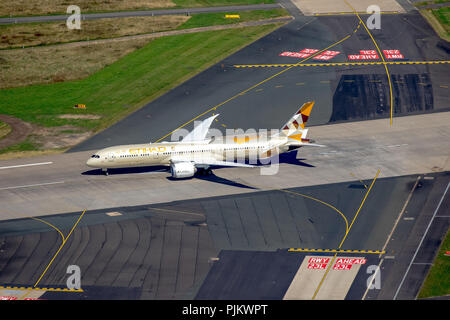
(335, 251)
(338, 64)
(254, 86)
(40, 289)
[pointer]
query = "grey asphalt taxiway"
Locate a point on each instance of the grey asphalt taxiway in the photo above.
(227, 236)
(229, 247)
(342, 93)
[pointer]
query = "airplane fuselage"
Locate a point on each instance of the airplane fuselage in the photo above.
(196, 151)
(152, 154)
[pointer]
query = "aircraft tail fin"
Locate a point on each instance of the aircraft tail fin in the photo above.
(295, 127)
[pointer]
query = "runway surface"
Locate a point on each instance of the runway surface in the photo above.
(375, 188)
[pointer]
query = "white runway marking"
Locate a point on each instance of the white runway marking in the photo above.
(421, 240)
(32, 185)
(26, 165)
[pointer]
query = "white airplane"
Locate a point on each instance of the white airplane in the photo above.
(196, 152)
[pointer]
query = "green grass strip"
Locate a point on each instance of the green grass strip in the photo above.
(214, 19)
(131, 82)
(437, 282)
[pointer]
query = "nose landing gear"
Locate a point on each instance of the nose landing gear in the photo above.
(105, 172)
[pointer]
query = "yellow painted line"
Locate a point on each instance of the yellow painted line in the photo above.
(345, 236)
(25, 295)
(49, 224)
(62, 245)
(320, 201)
(40, 289)
(337, 251)
(254, 86)
(382, 58)
(359, 180)
(339, 64)
(323, 278)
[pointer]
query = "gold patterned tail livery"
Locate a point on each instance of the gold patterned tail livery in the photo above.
(295, 127)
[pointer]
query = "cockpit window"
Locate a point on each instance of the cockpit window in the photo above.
(95, 156)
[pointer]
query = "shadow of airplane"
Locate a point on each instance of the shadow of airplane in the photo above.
(149, 169)
(213, 178)
(289, 157)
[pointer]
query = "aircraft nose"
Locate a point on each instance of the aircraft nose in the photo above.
(90, 162)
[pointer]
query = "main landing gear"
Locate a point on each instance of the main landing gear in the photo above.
(205, 172)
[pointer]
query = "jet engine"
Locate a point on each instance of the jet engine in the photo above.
(182, 170)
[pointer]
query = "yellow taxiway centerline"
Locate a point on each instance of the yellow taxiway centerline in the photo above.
(254, 86)
(62, 245)
(338, 64)
(382, 58)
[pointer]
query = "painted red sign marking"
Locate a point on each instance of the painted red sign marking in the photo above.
(310, 51)
(391, 51)
(318, 260)
(331, 53)
(326, 55)
(362, 56)
(367, 51)
(7, 298)
(351, 261)
(317, 266)
(338, 266)
(294, 54)
(394, 56)
(322, 57)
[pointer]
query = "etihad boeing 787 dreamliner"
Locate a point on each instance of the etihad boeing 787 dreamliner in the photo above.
(196, 152)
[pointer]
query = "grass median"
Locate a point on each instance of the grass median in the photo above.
(437, 282)
(48, 33)
(439, 19)
(214, 19)
(128, 84)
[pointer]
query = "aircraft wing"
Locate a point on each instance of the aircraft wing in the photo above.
(199, 162)
(200, 131)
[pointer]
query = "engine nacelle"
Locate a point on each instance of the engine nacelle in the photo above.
(182, 170)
